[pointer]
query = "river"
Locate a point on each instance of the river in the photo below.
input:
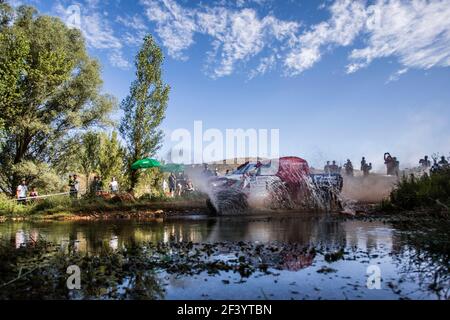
(370, 247)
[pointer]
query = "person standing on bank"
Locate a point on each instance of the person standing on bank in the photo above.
(22, 191)
(74, 187)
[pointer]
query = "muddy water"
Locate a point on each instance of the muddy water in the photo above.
(406, 271)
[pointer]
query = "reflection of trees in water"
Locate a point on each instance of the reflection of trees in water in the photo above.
(426, 258)
(93, 236)
(106, 275)
(303, 230)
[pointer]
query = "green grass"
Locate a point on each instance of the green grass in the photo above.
(425, 192)
(64, 206)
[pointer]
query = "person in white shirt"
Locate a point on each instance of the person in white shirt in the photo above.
(22, 191)
(114, 185)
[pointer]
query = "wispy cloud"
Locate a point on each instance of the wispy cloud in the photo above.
(396, 76)
(96, 28)
(415, 32)
(236, 34)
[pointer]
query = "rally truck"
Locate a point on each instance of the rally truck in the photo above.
(284, 183)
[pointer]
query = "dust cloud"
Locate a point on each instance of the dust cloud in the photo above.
(371, 189)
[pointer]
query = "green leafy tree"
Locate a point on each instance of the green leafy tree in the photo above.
(111, 159)
(88, 158)
(49, 87)
(145, 106)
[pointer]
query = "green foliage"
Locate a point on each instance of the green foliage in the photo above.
(6, 14)
(145, 106)
(10, 207)
(427, 191)
(39, 175)
(94, 153)
(89, 153)
(49, 86)
(111, 159)
(149, 184)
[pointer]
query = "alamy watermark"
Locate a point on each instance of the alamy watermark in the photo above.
(374, 278)
(74, 280)
(73, 16)
(215, 145)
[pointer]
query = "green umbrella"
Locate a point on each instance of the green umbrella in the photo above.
(145, 164)
(172, 167)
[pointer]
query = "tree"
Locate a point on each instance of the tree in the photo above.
(93, 153)
(111, 158)
(49, 88)
(89, 154)
(145, 106)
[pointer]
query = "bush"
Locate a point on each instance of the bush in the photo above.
(426, 191)
(8, 206)
(52, 203)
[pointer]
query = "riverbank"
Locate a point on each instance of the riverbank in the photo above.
(100, 209)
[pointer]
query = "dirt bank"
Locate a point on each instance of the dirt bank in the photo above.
(151, 210)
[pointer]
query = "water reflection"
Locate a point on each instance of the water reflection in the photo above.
(411, 267)
(92, 237)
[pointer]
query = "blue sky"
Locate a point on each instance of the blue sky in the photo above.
(340, 79)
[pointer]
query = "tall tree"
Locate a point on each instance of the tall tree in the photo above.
(111, 158)
(89, 153)
(145, 106)
(49, 87)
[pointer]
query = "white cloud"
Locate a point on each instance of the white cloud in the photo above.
(117, 60)
(416, 32)
(266, 64)
(347, 19)
(174, 24)
(135, 22)
(95, 26)
(396, 76)
(236, 35)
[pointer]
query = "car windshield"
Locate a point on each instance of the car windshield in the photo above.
(248, 167)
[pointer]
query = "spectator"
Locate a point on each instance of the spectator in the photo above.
(114, 185)
(179, 190)
(366, 169)
(363, 163)
(100, 187)
(22, 191)
(172, 184)
(190, 186)
(327, 168)
(74, 187)
(334, 168)
(425, 163)
(34, 194)
(349, 168)
(443, 162)
(165, 187)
